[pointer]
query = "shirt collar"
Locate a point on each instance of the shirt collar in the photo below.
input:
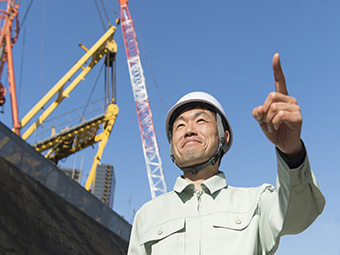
(213, 184)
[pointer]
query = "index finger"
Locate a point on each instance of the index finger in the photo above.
(280, 80)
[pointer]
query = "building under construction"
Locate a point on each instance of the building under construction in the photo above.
(43, 208)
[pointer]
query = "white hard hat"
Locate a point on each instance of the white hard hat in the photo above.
(198, 98)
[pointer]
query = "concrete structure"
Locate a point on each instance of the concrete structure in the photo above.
(43, 211)
(35, 220)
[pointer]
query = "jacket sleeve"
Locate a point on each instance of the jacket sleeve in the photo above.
(291, 209)
(135, 246)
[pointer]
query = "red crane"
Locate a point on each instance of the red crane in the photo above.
(146, 126)
(7, 41)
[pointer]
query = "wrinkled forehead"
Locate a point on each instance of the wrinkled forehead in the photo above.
(200, 108)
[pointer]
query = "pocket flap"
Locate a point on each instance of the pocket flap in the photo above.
(162, 230)
(233, 220)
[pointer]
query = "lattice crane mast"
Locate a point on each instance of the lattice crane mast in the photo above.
(149, 142)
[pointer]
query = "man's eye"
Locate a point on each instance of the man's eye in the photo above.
(201, 120)
(179, 126)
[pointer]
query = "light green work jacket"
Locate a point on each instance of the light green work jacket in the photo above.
(221, 219)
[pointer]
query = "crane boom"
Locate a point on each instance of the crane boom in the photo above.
(76, 138)
(6, 43)
(150, 147)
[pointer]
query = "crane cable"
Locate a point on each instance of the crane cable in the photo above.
(105, 13)
(152, 74)
(92, 91)
(42, 47)
(21, 65)
(26, 12)
(100, 16)
(114, 82)
(111, 66)
(108, 65)
(23, 49)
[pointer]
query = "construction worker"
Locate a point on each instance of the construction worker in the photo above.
(204, 215)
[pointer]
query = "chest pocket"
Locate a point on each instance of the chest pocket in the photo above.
(234, 220)
(166, 238)
(235, 231)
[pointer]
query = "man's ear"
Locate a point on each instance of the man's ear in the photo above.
(226, 136)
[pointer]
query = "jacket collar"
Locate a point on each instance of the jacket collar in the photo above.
(213, 184)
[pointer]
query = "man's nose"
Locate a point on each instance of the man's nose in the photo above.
(190, 129)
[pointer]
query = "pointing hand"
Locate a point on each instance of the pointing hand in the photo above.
(280, 116)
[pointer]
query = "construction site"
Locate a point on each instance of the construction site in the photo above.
(48, 207)
(85, 87)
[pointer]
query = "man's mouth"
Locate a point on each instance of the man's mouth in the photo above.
(190, 141)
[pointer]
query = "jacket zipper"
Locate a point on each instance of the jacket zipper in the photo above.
(198, 195)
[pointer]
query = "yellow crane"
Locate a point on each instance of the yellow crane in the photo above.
(76, 138)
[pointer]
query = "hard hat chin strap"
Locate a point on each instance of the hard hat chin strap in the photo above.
(214, 159)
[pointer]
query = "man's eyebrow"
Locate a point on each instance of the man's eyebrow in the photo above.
(179, 118)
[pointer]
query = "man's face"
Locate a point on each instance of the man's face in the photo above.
(194, 137)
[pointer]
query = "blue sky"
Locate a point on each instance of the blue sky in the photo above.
(221, 47)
